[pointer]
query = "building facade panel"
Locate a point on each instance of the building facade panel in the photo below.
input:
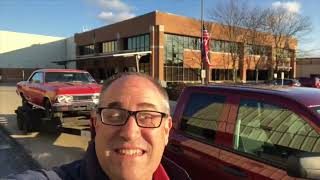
(21, 53)
(125, 28)
(307, 67)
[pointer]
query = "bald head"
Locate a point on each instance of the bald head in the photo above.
(131, 79)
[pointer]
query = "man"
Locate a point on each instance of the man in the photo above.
(132, 127)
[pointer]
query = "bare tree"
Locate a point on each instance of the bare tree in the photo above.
(255, 40)
(232, 16)
(285, 27)
(259, 27)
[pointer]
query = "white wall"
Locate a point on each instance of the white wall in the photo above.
(21, 50)
(305, 70)
(71, 52)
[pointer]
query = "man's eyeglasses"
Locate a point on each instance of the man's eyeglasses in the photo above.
(119, 117)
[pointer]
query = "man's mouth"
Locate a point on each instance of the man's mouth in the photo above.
(130, 152)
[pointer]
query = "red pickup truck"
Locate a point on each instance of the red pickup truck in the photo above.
(232, 132)
(59, 90)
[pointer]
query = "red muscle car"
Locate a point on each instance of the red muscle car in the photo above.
(59, 90)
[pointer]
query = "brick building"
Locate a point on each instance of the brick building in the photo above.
(167, 46)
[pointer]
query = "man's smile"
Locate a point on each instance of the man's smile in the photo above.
(130, 152)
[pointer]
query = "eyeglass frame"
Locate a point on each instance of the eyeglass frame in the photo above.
(131, 113)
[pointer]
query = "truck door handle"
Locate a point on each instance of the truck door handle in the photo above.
(234, 171)
(175, 149)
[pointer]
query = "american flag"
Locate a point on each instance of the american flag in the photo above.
(206, 47)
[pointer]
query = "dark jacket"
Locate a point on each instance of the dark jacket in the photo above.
(89, 168)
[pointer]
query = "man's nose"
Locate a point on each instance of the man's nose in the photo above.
(130, 130)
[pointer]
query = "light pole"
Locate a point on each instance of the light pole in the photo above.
(201, 59)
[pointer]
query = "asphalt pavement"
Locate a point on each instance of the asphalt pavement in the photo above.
(13, 157)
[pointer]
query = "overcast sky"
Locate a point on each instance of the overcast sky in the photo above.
(63, 18)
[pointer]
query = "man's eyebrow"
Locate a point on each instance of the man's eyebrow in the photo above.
(146, 105)
(118, 104)
(115, 104)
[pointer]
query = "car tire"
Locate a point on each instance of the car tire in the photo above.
(20, 118)
(48, 109)
(36, 122)
(26, 123)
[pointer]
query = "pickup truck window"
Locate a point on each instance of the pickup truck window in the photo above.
(200, 117)
(271, 132)
(317, 109)
(37, 77)
(68, 77)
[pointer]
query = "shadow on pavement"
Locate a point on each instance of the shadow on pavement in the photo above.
(40, 149)
(13, 157)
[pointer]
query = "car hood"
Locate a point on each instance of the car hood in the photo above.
(75, 88)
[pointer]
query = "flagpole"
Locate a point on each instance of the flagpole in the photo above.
(202, 74)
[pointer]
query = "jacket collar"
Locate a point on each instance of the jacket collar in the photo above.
(165, 171)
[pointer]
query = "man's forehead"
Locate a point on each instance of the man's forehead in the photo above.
(127, 97)
(118, 104)
(132, 81)
(132, 91)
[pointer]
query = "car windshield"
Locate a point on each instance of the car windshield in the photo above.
(68, 77)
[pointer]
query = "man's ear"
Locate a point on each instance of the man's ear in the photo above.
(93, 120)
(167, 128)
(93, 123)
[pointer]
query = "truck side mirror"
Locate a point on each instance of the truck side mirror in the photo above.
(304, 165)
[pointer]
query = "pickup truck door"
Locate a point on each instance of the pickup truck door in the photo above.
(193, 142)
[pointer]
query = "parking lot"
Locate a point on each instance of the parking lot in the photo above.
(48, 149)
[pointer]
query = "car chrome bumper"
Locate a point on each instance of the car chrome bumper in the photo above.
(74, 106)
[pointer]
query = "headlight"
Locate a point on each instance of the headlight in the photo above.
(64, 98)
(95, 98)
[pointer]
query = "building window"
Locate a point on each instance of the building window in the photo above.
(257, 50)
(173, 57)
(201, 116)
(144, 64)
(283, 53)
(262, 74)
(225, 46)
(85, 50)
(144, 68)
(223, 74)
(109, 47)
(138, 43)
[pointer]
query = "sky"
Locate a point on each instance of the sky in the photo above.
(64, 18)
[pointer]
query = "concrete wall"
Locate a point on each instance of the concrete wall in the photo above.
(308, 66)
(70, 49)
(21, 50)
(21, 53)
